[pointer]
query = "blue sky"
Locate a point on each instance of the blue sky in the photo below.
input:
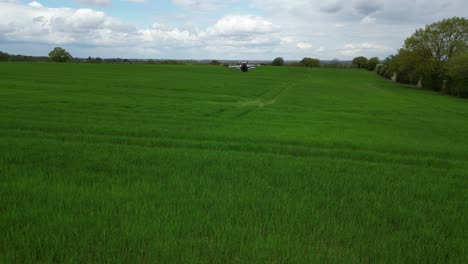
(217, 29)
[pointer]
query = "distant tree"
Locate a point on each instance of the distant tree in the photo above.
(60, 55)
(172, 62)
(372, 63)
(95, 60)
(4, 56)
(215, 62)
(360, 62)
(278, 62)
(21, 58)
(335, 63)
(309, 62)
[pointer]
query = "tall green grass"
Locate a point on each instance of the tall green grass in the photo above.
(152, 163)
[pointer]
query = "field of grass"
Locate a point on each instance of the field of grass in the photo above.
(169, 164)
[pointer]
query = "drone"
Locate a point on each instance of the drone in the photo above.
(244, 66)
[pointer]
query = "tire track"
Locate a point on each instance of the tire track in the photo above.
(332, 153)
(260, 102)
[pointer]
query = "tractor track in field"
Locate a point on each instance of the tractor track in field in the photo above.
(245, 106)
(268, 148)
(310, 144)
(260, 102)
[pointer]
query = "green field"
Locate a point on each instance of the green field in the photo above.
(170, 164)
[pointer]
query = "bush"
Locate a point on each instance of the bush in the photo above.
(457, 71)
(380, 69)
(309, 62)
(360, 62)
(94, 60)
(388, 73)
(372, 63)
(278, 62)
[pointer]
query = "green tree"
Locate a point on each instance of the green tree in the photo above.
(60, 55)
(388, 67)
(372, 63)
(410, 67)
(310, 62)
(4, 56)
(457, 70)
(436, 44)
(278, 62)
(94, 60)
(360, 62)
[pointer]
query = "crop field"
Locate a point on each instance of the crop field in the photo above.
(203, 164)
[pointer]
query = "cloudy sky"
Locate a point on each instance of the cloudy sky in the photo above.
(217, 29)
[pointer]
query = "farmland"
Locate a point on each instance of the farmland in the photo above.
(161, 163)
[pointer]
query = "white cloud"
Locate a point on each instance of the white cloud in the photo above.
(174, 36)
(35, 4)
(95, 2)
(95, 29)
(352, 49)
(35, 23)
(207, 28)
(368, 20)
(304, 45)
(287, 40)
(320, 49)
(213, 5)
(241, 25)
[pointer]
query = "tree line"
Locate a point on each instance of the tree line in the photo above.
(10, 57)
(362, 62)
(434, 57)
(312, 63)
(59, 54)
